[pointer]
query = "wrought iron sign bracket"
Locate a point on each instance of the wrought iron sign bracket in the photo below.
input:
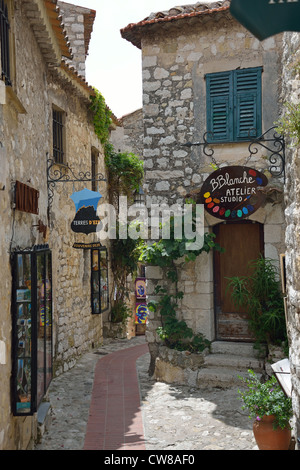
(58, 173)
(275, 144)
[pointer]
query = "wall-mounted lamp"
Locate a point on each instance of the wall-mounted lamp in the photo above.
(41, 228)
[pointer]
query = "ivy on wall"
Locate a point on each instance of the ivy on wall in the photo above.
(174, 332)
(101, 116)
(125, 175)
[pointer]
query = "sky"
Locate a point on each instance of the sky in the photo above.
(113, 65)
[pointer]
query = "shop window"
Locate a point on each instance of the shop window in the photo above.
(58, 130)
(5, 43)
(31, 328)
(99, 280)
(234, 105)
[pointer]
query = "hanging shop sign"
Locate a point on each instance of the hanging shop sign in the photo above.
(86, 219)
(140, 288)
(87, 246)
(233, 192)
(265, 18)
(141, 312)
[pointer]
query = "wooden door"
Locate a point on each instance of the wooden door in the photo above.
(242, 242)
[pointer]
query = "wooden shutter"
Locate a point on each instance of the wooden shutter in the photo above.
(219, 98)
(26, 198)
(247, 98)
(234, 105)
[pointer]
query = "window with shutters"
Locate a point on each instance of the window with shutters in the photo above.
(234, 105)
(5, 43)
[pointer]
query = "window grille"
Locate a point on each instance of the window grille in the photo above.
(4, 31)
(58, 136)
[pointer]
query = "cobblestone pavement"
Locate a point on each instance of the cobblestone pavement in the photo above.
(174, 417)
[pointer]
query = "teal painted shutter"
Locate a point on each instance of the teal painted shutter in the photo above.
(219, 106)
(247, 103)
(234, 105)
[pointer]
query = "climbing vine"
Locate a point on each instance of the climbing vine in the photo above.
(101, 116)
(175, 333)
(125, 175)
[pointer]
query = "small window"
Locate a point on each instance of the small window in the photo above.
(58, 136)
(99, 280)
(94, 168)
(234, 105)
(5, 47)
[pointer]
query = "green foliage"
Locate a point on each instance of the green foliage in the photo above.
(125, 173)
(120, 312)
(289, 124)
(175, 333)
(260, 294)
(266, 399)
(101, 116)
(125, 255)
(164, 252)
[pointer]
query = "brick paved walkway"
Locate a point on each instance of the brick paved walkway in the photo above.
(115, 419)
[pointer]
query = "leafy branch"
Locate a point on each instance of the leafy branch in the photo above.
(175, 333)
(101, 116)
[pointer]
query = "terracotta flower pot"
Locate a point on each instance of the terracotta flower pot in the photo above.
(268, 438)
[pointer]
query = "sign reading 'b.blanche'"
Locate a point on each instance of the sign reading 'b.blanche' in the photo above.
(233, 192)
(265, 18)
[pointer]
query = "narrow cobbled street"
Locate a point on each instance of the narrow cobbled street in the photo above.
(173, 417)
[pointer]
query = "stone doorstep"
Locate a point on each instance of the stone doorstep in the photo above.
(227, 361)
(230, 347)
(219, 377)
(234, 362)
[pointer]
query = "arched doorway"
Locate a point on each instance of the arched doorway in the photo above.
(242, 242)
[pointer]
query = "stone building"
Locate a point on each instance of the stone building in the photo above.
(291, 94)
(53, 296)
(206, 79)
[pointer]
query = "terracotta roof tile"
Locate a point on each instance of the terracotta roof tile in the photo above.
(132, 32)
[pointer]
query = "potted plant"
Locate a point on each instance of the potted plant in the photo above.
(271, 410)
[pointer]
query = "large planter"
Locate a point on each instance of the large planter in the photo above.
(268, 438)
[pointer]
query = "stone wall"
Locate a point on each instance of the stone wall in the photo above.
(129, 136)
(291, 93)
(78, 23)
(26, 144)
(174, 68)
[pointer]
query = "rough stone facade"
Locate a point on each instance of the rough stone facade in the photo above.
(291, 94)
(129, 136)
(38, 84)
(177, 53)
(78, 23)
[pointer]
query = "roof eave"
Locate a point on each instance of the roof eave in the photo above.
(134, 31)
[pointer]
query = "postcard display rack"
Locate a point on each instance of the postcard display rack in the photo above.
(32, 328)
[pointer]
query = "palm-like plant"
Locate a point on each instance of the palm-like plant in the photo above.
(259, 293)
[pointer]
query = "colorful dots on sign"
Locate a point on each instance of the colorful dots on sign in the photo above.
(233, 193)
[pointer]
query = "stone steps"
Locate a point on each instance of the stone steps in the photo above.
(226, 362)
